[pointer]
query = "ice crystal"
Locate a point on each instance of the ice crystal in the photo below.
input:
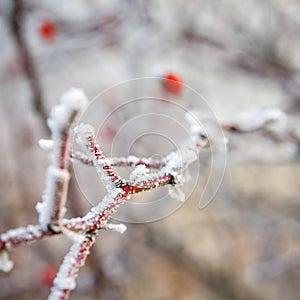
(121, 228)
(176, 193)
(138, 172)
(5, 263)
(83, 131)
(45, 208)
(46, 145)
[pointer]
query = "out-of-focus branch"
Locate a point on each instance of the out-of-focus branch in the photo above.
(17, 24)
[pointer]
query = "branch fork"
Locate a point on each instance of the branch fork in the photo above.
(147, 174)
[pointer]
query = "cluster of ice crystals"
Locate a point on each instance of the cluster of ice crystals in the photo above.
(100, 163)
(29, 233)
(121, 228)
(72, 101)
(83, 132)
(176, 193)
(138, 173)
(45, 208)
(175, 165)
(5, 263)
(75, 99)
(46, 145)
(63, 279)
(254, 119)
(132, 159)
(195, 127)
(107, 200)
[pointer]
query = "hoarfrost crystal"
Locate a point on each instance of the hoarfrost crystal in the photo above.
(5, 263)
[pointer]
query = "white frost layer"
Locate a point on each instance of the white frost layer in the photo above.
(83, 131)
(176, 193)
(46, 145)
(194, 123)
(74, 98)
(63, 280)
(138, 172)
(121, 228)
(255, 119)
(72, 101)
(5, 263)
(46, 207)
(107, 200)
(29, 233)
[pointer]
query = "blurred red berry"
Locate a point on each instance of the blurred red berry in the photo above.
(47, 30)
(48, 274)
(109, 131)
(172, 83)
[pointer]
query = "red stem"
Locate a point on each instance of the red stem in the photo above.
(106, 166)
(120, 161)
(70, 267)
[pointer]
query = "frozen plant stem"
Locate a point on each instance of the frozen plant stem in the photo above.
(63, 116)
(130, 161)
(83, 230)
(65, 280)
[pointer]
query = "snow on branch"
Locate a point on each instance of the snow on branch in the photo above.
(86, 137)
(130, 161)
(62, 117)
(65, 280)
(274, 137)
(147, 174)
(121, 228)
(257, 119)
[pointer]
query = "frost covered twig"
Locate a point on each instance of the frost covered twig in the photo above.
(83, 230)
(86, 137)
(272, 122)
(147, 174)
(52, 208)
(23, 235)
(274, 137)
(65, 280)
(130, 161)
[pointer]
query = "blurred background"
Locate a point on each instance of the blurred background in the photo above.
(238, 55)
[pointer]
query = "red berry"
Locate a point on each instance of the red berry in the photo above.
(48, 30)
(109, 131)
(48, 274)
(172, 83)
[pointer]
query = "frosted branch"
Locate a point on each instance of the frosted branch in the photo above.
(86, 137)
(130, 161)
(65, 280)
(147, 174)
(63, 116)
(23, 235)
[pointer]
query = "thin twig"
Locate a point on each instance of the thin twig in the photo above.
(18, 24)
(65, 280)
